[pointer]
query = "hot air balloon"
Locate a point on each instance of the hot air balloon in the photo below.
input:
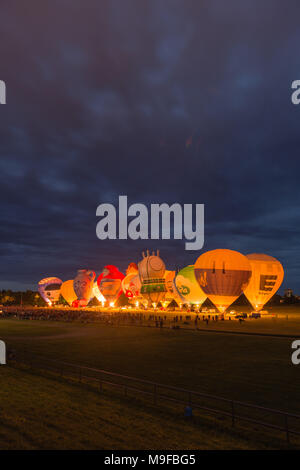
(96, 293)
(135, 288)
(83, 285)
(132, 268)
(151, 272)
(67, 291)
(188, 287)
(131, 273)
(49, 289)
(171, 291)
(222, 275)
(110, 283)
(267, 276)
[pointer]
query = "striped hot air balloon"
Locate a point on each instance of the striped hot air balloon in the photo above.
(222, 275)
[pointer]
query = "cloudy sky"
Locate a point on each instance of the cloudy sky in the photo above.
(160, 100)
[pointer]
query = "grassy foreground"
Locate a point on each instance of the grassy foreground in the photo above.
(41, 412)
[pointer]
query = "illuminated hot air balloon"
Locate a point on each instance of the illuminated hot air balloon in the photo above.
(222, 275)
(267, 276)
(110, 283)
(83, 285)
(132, 268)
(49, 289)
(67, 291)
(135, 287)
(151, 272)
(96, 293)
(188, 287)
(171, 291)
(131, 273)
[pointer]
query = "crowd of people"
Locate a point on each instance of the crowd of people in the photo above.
(115, 317)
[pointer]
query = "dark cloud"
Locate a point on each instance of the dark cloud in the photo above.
(162, 101)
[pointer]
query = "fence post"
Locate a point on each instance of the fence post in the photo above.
(232, 414)
(287, 429)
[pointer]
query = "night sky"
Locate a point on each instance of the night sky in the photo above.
(163, 101)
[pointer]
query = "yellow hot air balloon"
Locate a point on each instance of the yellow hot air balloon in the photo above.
(67, 291)
(267, 276)
(222, 275)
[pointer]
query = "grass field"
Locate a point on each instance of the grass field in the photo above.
(251, 368)
(41, 413)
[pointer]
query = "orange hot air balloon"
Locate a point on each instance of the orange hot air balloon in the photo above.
(132, 268)
(222, 275)
(67, 291)
(267, 276)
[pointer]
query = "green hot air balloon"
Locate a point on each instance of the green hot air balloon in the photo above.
(188, 287)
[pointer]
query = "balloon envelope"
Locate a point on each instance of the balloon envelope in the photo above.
(67, 291)
(267, 276)
(151, 273)
(83, 284)
(222, 275)
(131, 273)
(96, 293)
(49, 289)
(126, 285)
(188, 287)
(171, 291)
(110, 283)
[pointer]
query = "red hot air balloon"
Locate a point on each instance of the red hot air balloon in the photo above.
(110, 283)
(222, 275)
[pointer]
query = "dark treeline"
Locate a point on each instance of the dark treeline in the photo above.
(29, 297)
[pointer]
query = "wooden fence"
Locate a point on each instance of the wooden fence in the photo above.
(285, 423)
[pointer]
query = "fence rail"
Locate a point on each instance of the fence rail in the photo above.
(281, 421)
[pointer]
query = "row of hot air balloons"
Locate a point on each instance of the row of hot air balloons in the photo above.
(79, 291)
(221, 275)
